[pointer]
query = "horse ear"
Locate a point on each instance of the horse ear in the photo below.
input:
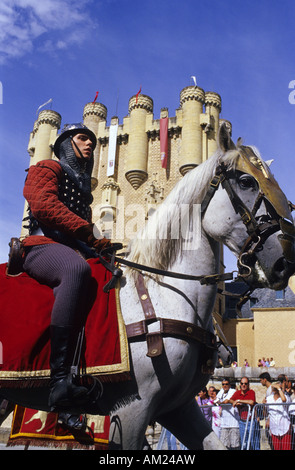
(224, 137)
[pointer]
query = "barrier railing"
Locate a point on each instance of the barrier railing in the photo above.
(272, 427)
(269, 426)
(225, 422)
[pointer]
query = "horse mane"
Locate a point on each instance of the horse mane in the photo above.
(154, 245)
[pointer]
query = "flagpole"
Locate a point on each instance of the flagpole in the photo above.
(117, 102)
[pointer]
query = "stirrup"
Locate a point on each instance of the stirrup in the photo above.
(72, 422)
(96, 388)
(77, 425)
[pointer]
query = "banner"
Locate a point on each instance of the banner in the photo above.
(112, 149)
(164, 141)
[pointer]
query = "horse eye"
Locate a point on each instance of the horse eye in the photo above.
(247, 182)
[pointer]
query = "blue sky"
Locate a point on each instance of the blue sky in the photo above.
(67, 50)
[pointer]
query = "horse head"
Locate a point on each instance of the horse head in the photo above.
(252, 215)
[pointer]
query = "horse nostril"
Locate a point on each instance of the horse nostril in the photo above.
(280, 266)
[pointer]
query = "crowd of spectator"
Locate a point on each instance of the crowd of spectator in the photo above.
(236, 416)
(268, 362)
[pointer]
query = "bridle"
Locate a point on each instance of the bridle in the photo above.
(258, 231)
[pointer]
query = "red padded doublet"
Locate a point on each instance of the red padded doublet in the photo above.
(41, 192)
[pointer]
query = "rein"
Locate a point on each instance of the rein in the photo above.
(203, 279)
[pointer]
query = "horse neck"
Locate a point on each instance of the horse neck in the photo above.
(195, 301)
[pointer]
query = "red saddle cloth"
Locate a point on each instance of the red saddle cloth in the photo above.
(25, 311)
(41, 429)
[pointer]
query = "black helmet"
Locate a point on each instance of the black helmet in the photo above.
(69, 130)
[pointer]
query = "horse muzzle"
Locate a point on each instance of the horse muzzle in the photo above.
(287, 240)
(268, 264)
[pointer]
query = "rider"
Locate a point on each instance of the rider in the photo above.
(60, 230)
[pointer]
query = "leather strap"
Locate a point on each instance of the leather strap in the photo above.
(144, 298)
(167, 327)
(177, 328)
(154, 340)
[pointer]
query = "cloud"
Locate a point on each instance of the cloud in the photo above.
(24, 24)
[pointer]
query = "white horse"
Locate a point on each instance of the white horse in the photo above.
(233, 199)
(164, 387)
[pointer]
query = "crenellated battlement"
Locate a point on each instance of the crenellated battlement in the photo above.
(213, 99)
(95, 109)
(141, 102)
(192, 93)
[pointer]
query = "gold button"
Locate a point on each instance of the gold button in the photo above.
(144, 297)
(154, 351)
(189, 330)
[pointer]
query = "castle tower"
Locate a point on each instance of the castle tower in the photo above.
(94, 115)
(192, 99)
(213, 109)
(41, 143)
(136, 161)
(44, 135)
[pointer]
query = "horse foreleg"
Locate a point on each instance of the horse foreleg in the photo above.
(6, 407)
(127, 429)
(190, 427)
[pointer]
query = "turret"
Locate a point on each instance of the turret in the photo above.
(213, 109)
(41, 143)
(43, 136)
(192, 99)
(136, 161)
(93, 114)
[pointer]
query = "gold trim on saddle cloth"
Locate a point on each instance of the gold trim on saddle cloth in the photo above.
(26, 430)
(122, 367)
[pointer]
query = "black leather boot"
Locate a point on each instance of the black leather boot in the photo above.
(65, 390)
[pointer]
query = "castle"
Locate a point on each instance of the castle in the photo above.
(127, 162)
